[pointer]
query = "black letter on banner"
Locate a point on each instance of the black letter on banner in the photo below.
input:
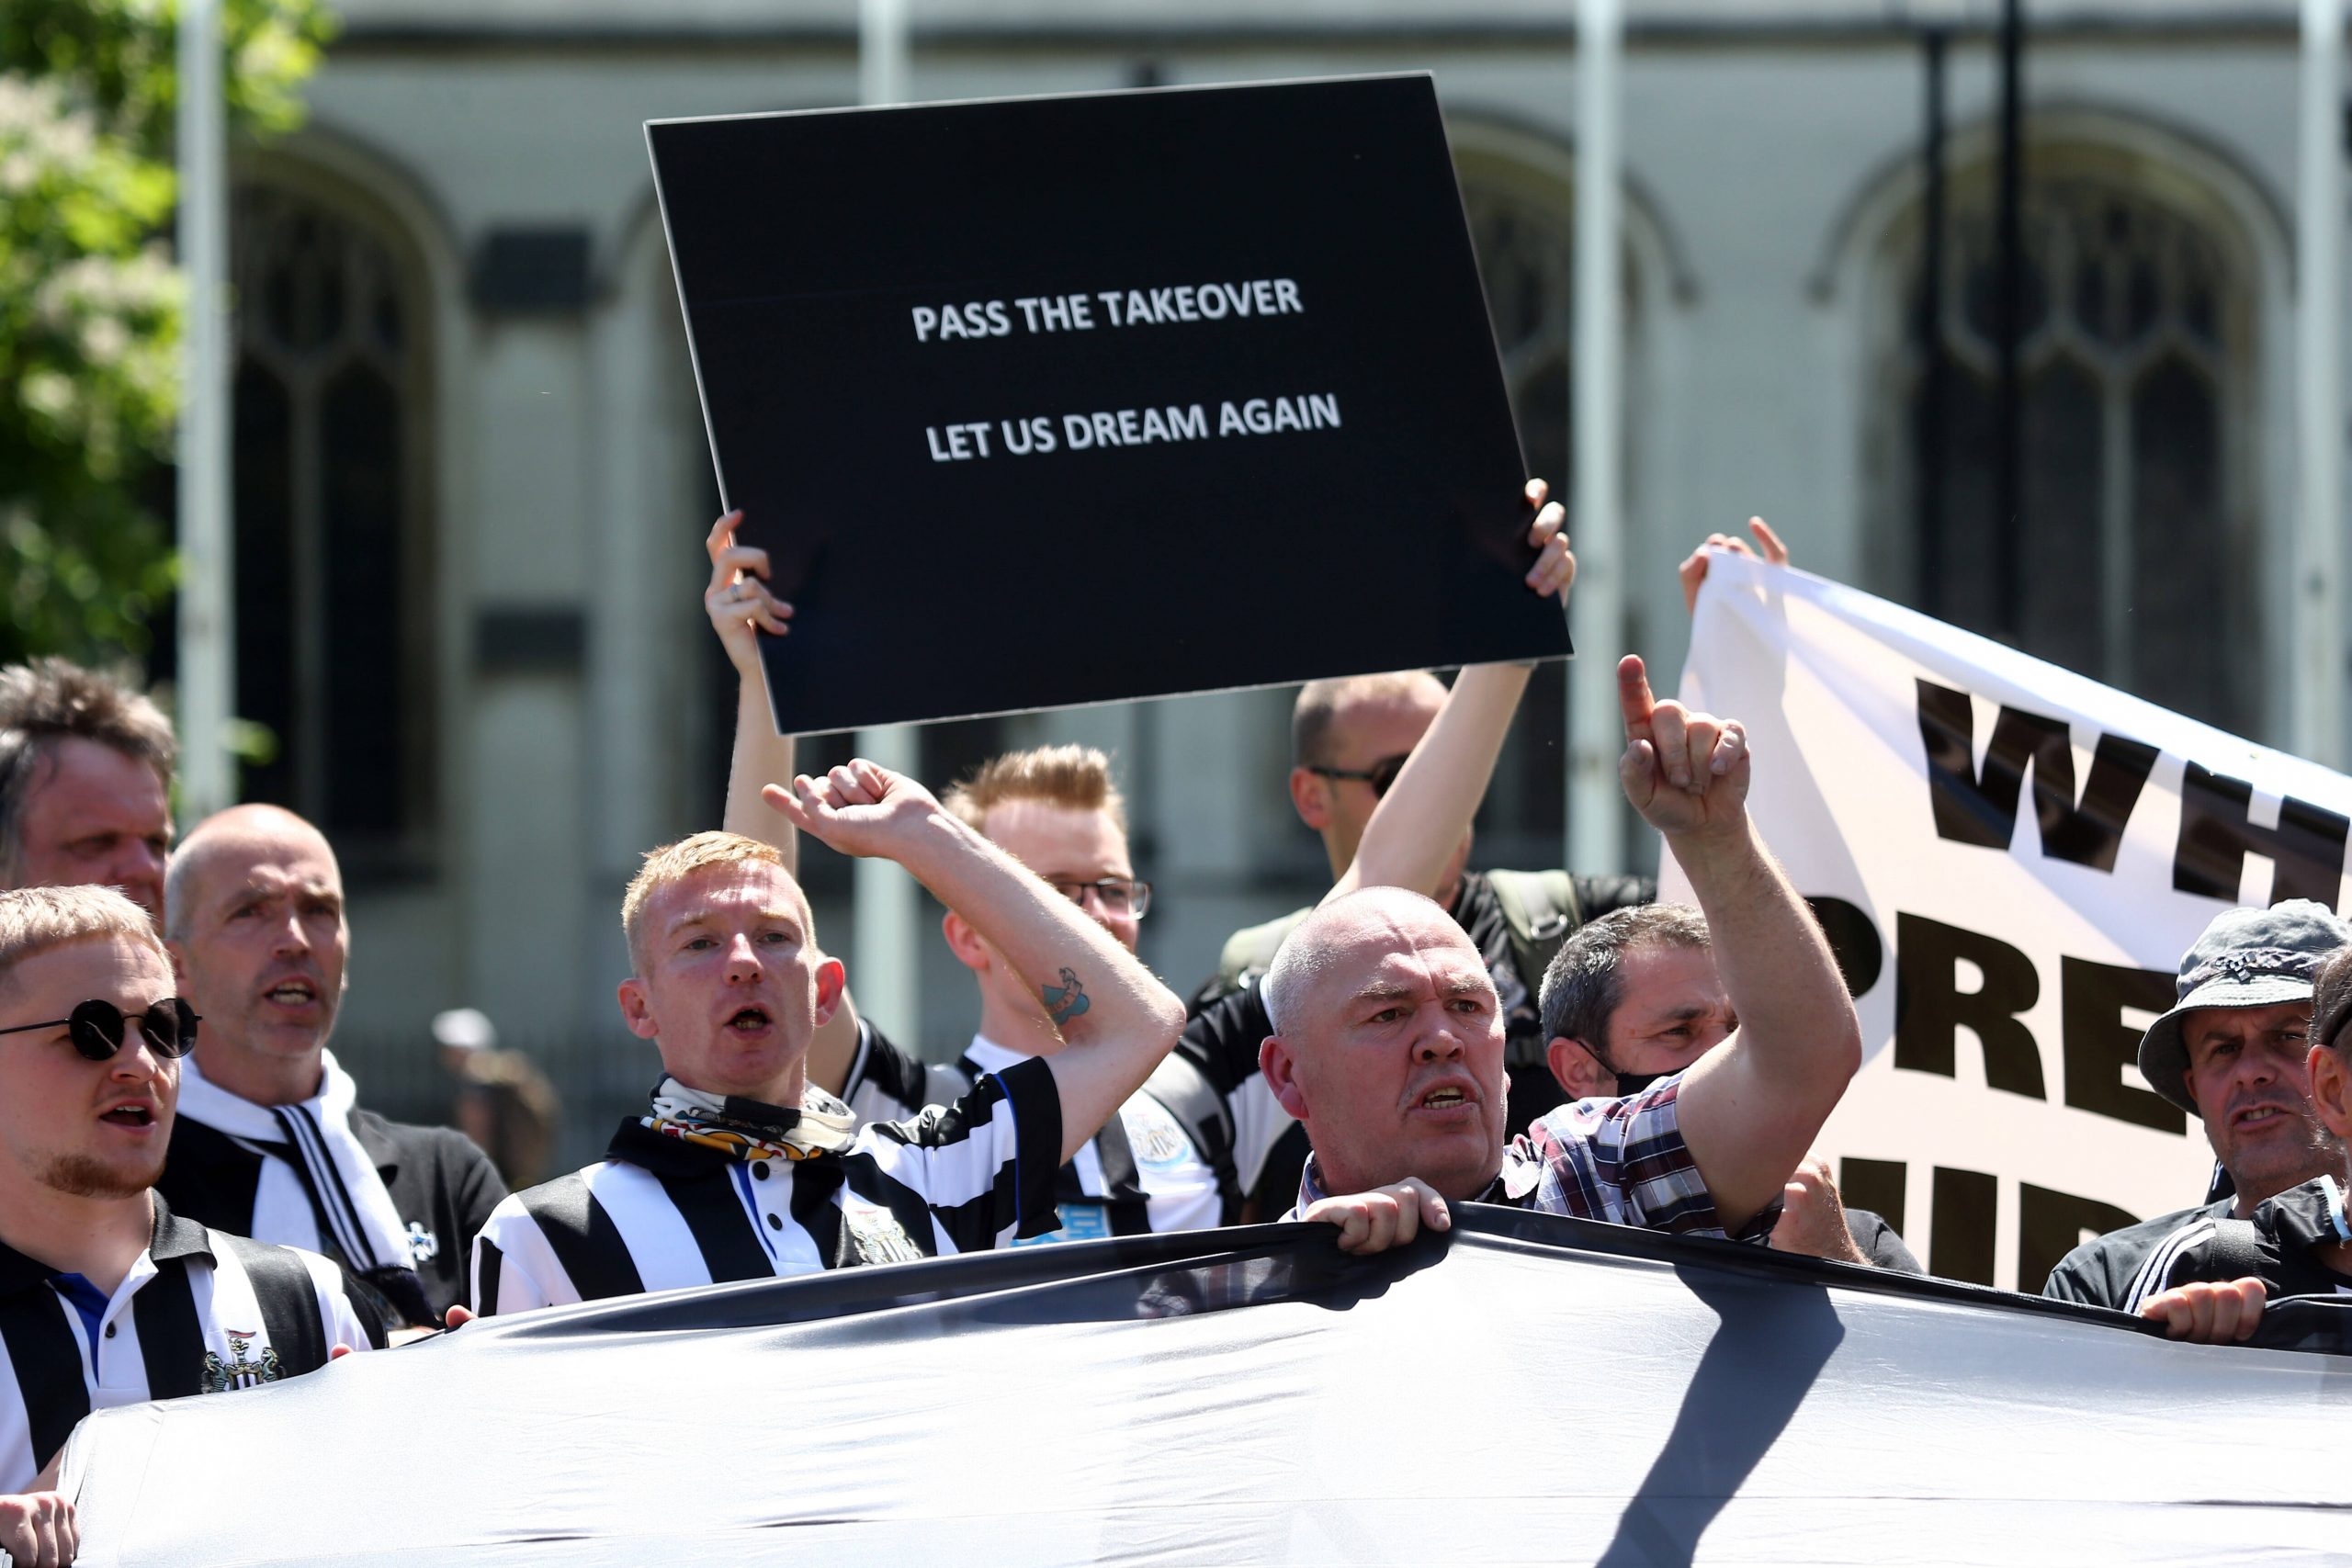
(2096, 1042)
(2052, 1224)
(1965, 1204)
(1930, 1009)
(1877, 1185)
(1853, 941)
(1970, 810)
(2306, 849)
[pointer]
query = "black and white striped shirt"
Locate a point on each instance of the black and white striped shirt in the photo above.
(658, 1214)
(1146, 1170)
(1138, 1174)
(888, 1083)
(202, 1312)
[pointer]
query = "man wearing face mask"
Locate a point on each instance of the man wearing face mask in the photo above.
(1635, 996)
(1389, 1044)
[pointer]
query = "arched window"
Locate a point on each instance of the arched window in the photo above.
(2136, 357)
(332, 486)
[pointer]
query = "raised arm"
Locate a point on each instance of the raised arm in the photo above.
(1750, 1108)
(1425, 813)
(1116, 1019)
(741, 607)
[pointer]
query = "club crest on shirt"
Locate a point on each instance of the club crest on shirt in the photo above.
(237, 1372)
(876, 1233)
(423, 1246)
(1153, 1133)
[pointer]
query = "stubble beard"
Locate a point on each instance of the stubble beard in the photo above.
(2316, 1152)
(83, 1176)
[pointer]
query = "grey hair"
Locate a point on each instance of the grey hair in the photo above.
(34, 919)
(52, 700)
(1583, 982)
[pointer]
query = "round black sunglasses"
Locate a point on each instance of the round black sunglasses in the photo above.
(97, 1028)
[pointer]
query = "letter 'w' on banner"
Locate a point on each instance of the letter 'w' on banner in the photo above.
(2010, 860)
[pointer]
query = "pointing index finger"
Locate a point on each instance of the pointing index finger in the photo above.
(1634, 697)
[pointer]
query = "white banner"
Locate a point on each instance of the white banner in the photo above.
(2012, 859)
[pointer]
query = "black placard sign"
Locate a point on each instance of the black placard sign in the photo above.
(1045, 401)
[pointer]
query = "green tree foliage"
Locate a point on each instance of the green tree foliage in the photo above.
(90, 302)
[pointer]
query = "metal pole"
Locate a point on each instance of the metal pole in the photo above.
(2318, 618)
(1596, 733)
(2009, 478)
(1928, 326)
(206, 599)
(886, 973)
(881, 51)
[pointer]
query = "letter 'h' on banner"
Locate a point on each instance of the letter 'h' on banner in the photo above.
(2010, 859)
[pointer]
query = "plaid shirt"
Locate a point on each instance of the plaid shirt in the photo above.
(1619, 1160)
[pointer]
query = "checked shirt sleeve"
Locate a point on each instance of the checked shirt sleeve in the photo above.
(1623, 1161)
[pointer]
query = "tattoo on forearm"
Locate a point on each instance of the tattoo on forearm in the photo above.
(1067, 1000)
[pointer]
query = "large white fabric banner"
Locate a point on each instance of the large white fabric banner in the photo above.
(2011, 860)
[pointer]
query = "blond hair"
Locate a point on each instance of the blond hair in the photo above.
(1076, 778)
(671, 863)
(35, 920)
(1321, 703)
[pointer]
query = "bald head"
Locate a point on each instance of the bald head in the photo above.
(232, 840)
(1388, 1044)
(257, 928)
(1364, 923)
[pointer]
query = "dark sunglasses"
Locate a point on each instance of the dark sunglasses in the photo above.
(1380, 776)
(97, 1028)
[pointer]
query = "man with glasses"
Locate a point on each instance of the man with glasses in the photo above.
(1184, 1149)
(1058, 811)
(107, 1297)
(271, 1141)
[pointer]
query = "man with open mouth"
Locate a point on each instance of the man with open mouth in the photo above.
(2233, 1053)
(2263, 1038)
(1389, 1040)
(742, 1168)
(108, 1298)
(271, 1141)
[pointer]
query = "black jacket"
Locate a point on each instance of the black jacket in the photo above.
(2281, 1245)
(2099, 1272)
(438, 1180)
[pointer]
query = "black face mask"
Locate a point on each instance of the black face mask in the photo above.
(1630, 1083)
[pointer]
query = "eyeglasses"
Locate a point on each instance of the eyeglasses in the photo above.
(1123, 897)
(1380, 776)
(97, 1028)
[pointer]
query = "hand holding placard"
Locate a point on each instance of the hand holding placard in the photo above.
(1124, 300)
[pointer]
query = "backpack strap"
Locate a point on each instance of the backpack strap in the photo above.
(2215, 1247)
(290, 1302)
(2236, 1250)
(1252, 950)
(1185, 1092)
(1541, 909)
